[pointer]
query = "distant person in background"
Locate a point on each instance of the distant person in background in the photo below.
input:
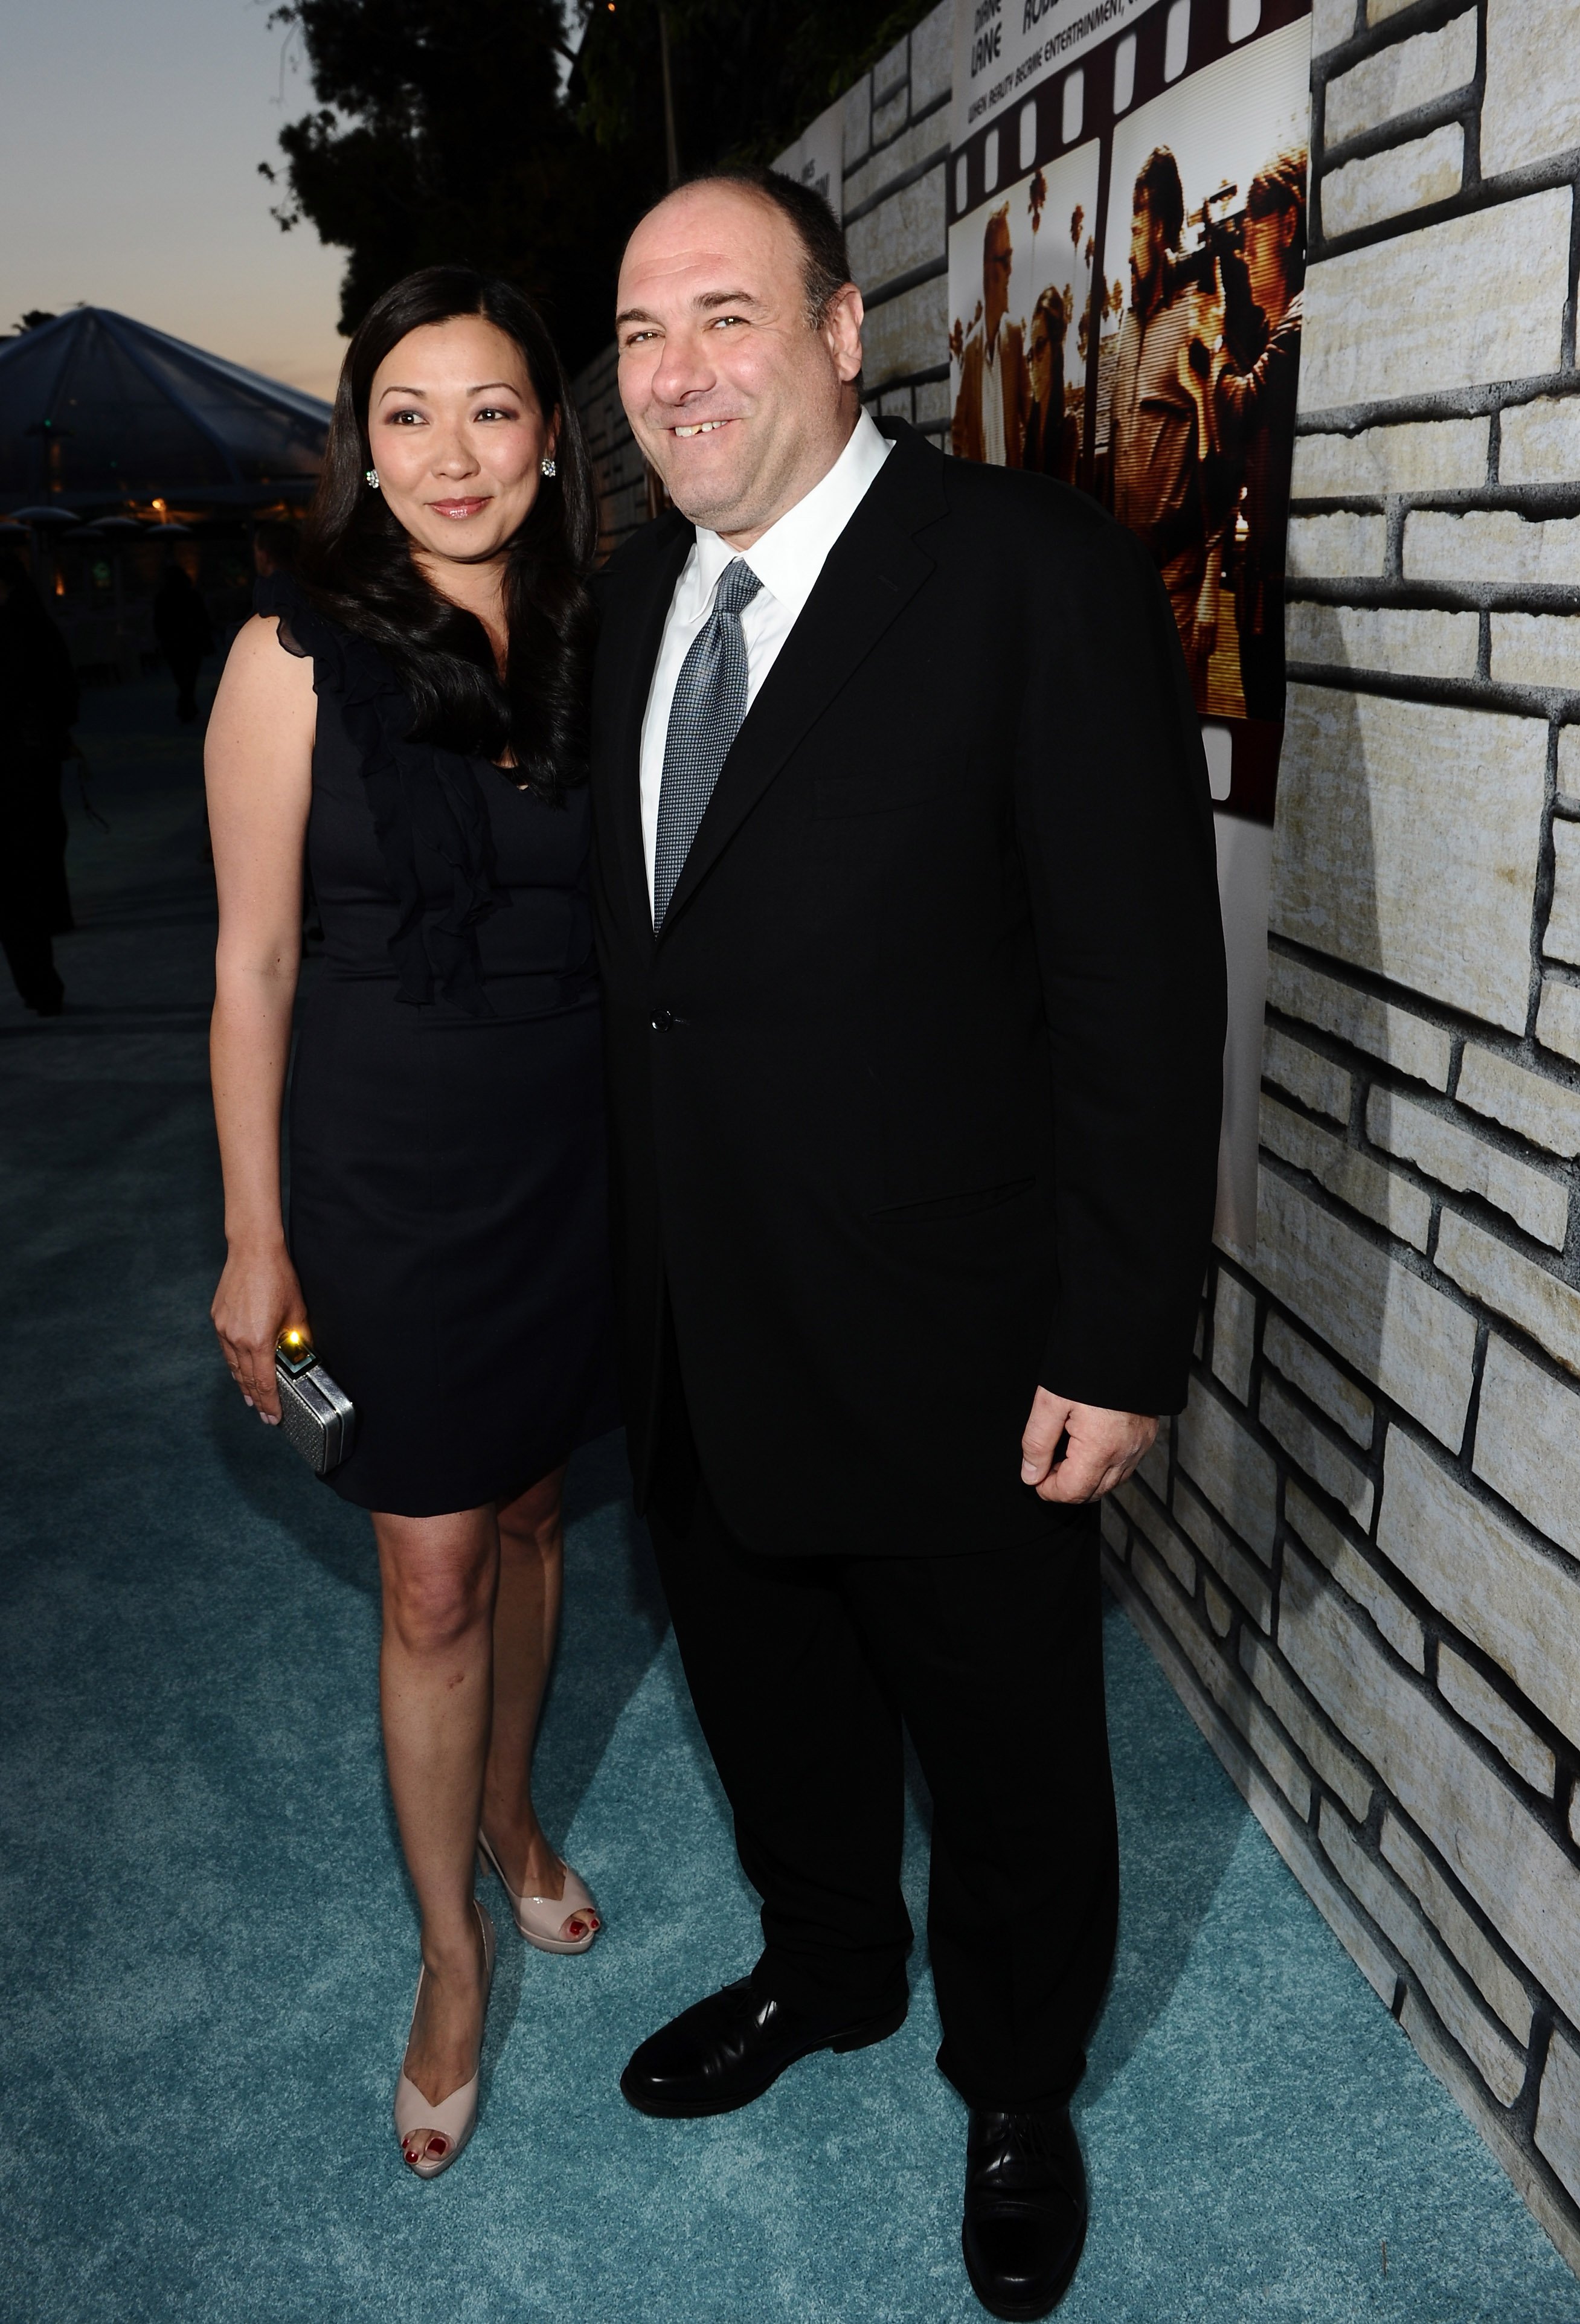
(37, 704)
(274, 546)
(995, 394)
(1052, 436)
(180, 625)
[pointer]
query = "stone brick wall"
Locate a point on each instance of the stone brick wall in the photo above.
(896, 153)
(619, 469)
(1355, 1552)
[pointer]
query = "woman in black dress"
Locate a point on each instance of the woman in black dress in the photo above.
(411, 705)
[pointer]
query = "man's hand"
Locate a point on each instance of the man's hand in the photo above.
(1101, 1447)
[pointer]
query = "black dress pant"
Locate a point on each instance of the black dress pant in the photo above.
(802, 1670)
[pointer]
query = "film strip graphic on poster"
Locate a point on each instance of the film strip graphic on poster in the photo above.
(1127, 210)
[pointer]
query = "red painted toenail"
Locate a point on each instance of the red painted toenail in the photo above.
(437, 2146)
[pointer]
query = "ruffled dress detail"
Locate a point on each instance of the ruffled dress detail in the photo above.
(430, 816)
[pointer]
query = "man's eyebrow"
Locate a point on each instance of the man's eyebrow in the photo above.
(705, 299)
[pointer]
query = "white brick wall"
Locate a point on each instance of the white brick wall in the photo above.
(1524, 1290)
(1398, 79)
(1406, 177)
(1532, 103)
(1461, 1158)
(1528, 1447)
(1381, 1027)
(1503, 547)
(1541, 441)
(1345, 543)
(1414, 1372)
(1422, 456)
(1310, 1371)
(1387, 855)
(1540, 1107)
(1397, 639)
(1558, 1019)
(1478, 298)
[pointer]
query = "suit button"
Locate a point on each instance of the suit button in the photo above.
(663, 1020)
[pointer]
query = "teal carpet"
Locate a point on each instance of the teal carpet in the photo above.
(209, 1955)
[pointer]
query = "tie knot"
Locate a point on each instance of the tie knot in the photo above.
(738, 585)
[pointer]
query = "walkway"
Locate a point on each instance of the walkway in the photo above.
(210, 1952)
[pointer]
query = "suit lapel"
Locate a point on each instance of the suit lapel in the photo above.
(631, 642)
(872, 572)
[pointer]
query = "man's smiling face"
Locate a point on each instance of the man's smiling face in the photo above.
(740, 400)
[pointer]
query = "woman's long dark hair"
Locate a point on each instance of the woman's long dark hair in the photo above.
(357, 565)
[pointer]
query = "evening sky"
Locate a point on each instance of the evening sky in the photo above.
(131, 133)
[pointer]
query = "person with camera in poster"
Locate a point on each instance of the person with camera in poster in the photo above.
(1250, 378)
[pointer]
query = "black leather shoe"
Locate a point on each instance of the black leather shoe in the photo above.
(724, 2052)
(1025, 2210)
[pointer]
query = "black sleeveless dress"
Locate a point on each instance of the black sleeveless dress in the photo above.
(448, 1203)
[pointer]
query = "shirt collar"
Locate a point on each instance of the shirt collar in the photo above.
(790, 555)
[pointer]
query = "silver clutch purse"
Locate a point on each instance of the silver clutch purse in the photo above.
(316, 1414)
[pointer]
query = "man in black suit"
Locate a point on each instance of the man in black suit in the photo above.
(909, 922)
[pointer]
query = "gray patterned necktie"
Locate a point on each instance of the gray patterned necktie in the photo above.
(705, 717)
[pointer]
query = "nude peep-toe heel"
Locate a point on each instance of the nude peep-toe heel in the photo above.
(455, 2118)
(539, 1919)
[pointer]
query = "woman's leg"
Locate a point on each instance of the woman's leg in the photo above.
(435, 1688)
(526, 1622)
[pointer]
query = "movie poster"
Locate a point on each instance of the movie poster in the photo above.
(1018, 350)
(1199, 353)
(1127, 233)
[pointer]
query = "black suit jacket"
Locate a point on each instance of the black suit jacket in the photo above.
(915, 1100)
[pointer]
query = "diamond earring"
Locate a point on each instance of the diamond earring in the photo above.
(547, 465)
(373, 477)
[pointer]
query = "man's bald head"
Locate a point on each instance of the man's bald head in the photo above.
(824, 258)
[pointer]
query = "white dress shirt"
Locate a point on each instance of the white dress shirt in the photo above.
(787, 560)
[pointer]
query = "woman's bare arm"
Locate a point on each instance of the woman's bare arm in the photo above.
(258, 764)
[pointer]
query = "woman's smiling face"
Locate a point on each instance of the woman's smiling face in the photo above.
(457, 435)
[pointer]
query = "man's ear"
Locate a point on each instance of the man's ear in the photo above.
(842, 332)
